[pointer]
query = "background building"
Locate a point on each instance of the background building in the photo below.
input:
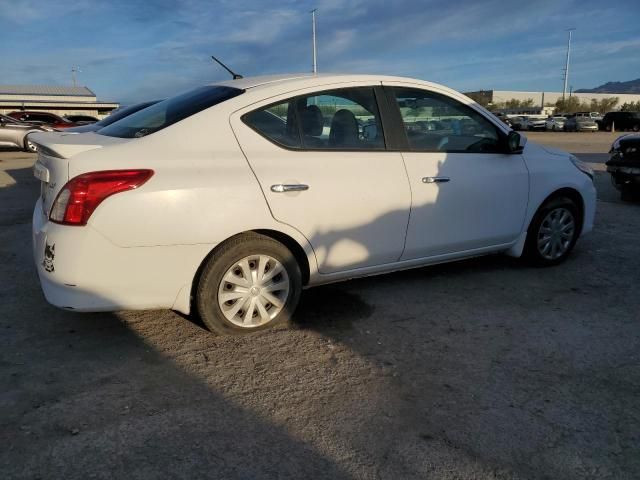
(54, 99)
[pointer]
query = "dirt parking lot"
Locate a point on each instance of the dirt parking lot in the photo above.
(483, 369)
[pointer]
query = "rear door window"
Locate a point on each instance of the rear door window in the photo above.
(342, 119)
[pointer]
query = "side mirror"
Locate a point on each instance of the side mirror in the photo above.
(513, 142)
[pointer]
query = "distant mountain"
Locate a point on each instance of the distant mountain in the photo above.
(632, 86)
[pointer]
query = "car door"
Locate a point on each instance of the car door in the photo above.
(467, 194)
(321, 161)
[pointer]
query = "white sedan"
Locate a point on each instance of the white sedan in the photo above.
(229, 199)
(555, 123)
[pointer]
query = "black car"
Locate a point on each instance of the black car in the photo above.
(621, 121)
(624, 165)
(114, 117)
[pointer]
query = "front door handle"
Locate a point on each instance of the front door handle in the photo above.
(296, 187)
(435, 179)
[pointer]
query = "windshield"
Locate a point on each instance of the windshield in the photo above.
(168, 112)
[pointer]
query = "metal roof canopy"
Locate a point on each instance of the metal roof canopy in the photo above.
(46, 90)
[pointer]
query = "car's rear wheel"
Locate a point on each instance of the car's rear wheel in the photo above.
(29, 146)
(553, 232)
(636, 127)
(250, 283)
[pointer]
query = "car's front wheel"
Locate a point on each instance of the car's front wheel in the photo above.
(250, 283)
(553, 232)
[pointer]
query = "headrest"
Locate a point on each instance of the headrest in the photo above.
(344, 128)
(312, 121)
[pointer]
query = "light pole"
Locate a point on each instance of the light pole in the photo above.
(566, 68)
(74, 70)
(313, 32)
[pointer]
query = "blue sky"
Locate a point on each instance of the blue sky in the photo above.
(131, 50)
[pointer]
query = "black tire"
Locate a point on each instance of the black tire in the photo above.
(629, 194)
(532, 252)
(222, 259)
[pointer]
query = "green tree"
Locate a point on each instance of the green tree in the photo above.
(515, 103)
(604, 105)
(568, 105)
(574, 104)
(630, 107)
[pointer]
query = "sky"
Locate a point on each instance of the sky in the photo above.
(131, 50)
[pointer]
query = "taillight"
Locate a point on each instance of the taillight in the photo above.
(82, 194)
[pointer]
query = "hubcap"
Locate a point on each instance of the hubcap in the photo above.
(253, 291)
(31, 146)
(556, 233)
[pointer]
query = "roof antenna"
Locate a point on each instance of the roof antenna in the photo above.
(235, 75)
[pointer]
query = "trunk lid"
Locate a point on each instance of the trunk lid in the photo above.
(55, 151)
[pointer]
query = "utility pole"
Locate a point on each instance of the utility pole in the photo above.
(566, 68)
(313, 30)
(74, 70)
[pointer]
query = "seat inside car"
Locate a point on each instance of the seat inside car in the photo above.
(311, 122)
(344, 130)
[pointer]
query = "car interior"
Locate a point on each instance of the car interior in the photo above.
(349, 119)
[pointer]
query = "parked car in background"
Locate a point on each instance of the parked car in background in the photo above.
(43, 118)
(13, 133)
(532, 123)
(81, 119)
(624, 165)
(516, 122)
(595, 116)
(621, 121)
(113, 117)
(579, 124)
(555, 123)
(504, 118)
(229, 199)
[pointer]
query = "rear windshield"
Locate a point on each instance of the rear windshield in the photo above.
(168, 112)
(123, 112)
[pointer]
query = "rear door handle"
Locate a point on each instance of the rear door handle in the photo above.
(295, 187)
(435, 179)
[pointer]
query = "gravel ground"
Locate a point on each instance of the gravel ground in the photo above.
(481, 369)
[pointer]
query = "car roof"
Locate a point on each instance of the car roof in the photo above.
(304, 79)
(21, 112)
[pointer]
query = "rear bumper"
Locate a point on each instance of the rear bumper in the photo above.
(81, 270)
